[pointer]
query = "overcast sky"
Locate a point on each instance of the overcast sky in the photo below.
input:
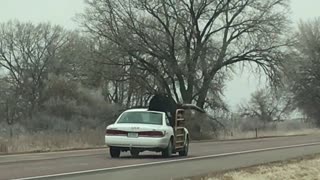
(62, 12)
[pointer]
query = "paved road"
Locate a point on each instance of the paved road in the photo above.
(204, 157)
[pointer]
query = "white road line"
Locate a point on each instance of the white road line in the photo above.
(168, 161)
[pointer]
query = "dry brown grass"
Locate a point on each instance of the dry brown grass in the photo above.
(42, 142)
(264, 133)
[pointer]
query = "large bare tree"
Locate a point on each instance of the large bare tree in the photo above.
(185, 44)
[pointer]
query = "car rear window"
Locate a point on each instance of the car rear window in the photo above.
(141, 118)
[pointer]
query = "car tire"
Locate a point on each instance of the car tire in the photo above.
(167, 152)
(185, 150)
(134, 153)
(114, 152)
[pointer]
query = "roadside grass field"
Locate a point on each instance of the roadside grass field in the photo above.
(302, 168)
(45, 142)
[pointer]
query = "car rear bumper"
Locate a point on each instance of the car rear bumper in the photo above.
(140, 142)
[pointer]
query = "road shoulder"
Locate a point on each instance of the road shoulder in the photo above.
(304, 167)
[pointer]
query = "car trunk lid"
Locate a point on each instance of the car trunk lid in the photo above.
(136, 130)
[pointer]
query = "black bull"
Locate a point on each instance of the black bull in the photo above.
(165, 104)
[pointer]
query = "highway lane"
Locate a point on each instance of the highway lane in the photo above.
(30, 165)
(179, 170)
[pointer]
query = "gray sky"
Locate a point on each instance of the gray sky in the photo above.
(62, 12)
(56, 11)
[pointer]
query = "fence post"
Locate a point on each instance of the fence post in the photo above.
(256, 129)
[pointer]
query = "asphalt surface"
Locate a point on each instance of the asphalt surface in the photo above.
(204, 157)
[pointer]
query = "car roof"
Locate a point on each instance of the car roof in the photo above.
(140, 110)
(136, 110)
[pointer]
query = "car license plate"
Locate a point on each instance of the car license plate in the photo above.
(132, 135)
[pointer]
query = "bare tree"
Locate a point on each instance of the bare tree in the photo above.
(26, 50)
(44, 80)
(268, 106)
(122, 81)
(185, 44)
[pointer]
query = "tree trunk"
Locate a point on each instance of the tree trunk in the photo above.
(116, 98)
(187, 97)
(203, 92)
(202, 98)
(128, 104)
(11, 131)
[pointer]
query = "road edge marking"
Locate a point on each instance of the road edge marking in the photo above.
(167, 161)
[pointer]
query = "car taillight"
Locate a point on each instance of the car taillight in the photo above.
(111, 132)
(151, 134)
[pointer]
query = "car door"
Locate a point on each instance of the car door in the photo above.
(169, 128)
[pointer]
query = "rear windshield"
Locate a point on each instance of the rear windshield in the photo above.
(141, 118)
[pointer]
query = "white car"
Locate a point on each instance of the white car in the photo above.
(138, 130)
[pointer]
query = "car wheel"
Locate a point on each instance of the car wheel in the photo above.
(114, 152)
(134, 153)
(185, 150)
(167, 152)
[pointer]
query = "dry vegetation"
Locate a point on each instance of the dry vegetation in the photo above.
(70, 136)
(42, 142)
(50, 141)
(306, 168)
(266, 133)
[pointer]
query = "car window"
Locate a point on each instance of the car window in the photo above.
(141, 118)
